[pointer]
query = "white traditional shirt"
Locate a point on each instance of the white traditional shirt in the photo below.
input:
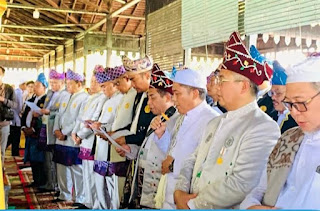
(90, 110)
(302, 188)
(67, 116)
(107, 117)
(230, 159)
(187, 139)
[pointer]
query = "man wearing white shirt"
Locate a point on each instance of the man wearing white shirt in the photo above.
(235, 146)
(189, 91)
(292, 178)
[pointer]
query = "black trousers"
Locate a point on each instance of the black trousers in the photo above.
(14, 139)
(37, 173)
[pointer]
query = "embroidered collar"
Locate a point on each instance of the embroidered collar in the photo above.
(243, 110)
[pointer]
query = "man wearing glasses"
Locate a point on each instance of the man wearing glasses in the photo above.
(235, 146)
(281, 114)
(292, 178)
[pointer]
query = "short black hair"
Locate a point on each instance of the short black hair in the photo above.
(162, 92)
(30, 82)
(3, 70)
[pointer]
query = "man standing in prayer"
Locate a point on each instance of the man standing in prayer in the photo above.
(292, 177)
(189, 92)
(235, 146)
(69, 168)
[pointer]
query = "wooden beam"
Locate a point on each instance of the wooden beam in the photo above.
(47, 28)
(21, 56)
(93, 18)
(134, 10)
(113, 14)
(36, 36)
(55, 5)
(54, 8)
(27, 49)
(123, 8)
(73, 6)
(28, 43)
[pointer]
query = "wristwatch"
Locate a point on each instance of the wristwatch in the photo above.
(171, 166)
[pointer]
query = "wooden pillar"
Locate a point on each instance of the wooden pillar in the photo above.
(74, 56)
(187, 57)
(109, 41)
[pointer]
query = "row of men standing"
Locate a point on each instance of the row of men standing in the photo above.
(198, 159)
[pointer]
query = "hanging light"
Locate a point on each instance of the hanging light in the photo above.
(36, 14)
(265, 38)
(298, 41)
(308, 42)
(287, 40)
(21, 38)
(276, 38)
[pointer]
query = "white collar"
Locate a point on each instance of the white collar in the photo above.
(315, 136)
(284, 112)
(243, 110)
(196, 110)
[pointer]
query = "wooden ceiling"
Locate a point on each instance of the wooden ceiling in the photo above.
(25, 38)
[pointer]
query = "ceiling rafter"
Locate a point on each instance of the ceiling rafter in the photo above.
(129, 20)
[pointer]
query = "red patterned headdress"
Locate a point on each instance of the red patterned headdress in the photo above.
(238, 59)
(160, 80)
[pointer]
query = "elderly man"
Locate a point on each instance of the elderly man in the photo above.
(152, 151)
(69, 168)
(47, 139)
(277, 93)
(189, 91)
(292, 179)
(234, 149)
(105, 163)
(83, 135)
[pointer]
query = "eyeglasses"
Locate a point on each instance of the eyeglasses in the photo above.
(276, 94)
(219, 81)
(299, 106)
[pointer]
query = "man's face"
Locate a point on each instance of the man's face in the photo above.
(73, 86)
(156, 103)
(309, 121)
(212, 89)
(39, 89)
(55, 84)
(123, 83)
(228, 89)
(108, 88)
(140, 81)
(30, 88)
(278, 94)
(183, 97)
(23, 86)
(94, 85)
